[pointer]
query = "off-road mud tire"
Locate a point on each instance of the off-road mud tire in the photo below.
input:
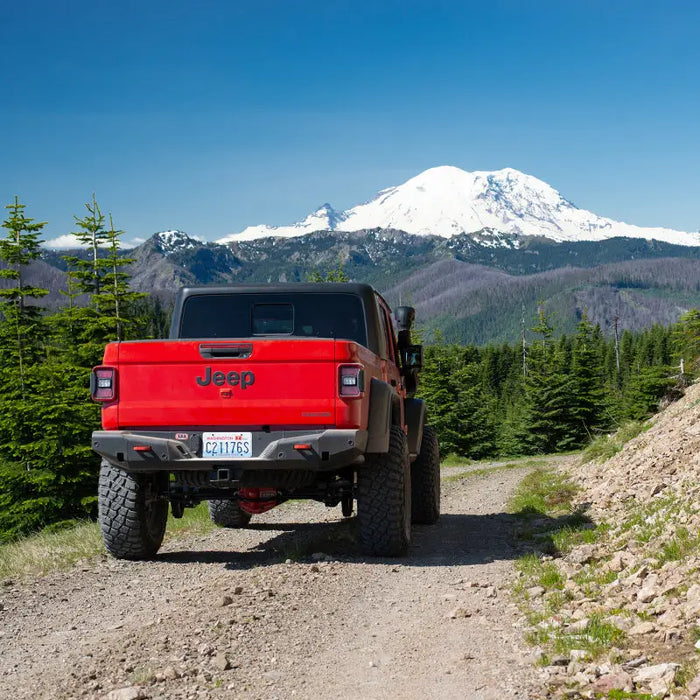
(425, 480)
(228, 514)
(132, 519)
(384, 500)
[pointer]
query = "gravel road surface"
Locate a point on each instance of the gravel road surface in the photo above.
(286, 609)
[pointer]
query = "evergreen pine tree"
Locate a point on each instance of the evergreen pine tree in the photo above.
(91, 234)
(110, 312)
(115, 300)
(547, 394)
(22, 352)
(588, 396)
(473, 431)
(436, 389)
(21, 332)
(336, 274)
(685, 340)
(645, 389)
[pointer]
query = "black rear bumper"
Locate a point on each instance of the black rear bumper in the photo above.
(161, 451)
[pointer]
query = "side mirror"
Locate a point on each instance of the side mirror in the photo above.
(412, 357)
(405, 316)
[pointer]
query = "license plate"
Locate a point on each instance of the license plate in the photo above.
(227, 445)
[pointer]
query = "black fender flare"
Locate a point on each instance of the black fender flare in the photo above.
(414, 414)
(379, 421)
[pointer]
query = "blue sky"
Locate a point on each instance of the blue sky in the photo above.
(213, 115)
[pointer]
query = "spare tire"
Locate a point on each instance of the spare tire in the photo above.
(227, 513)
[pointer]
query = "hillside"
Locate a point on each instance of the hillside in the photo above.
(470, 290)
(43, 274)
(477, 304)
(635, 574)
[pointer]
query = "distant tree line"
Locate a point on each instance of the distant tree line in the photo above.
(553, 393)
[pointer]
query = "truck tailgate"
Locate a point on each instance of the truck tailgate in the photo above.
(209, 383)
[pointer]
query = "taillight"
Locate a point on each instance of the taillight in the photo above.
(351, 380)
(103, 384)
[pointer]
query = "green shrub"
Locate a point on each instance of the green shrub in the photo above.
(605, 447)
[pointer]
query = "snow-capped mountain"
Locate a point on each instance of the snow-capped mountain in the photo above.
(169, 242)
(446, 201)
(325, 218)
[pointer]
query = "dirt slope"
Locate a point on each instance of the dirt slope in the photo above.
(251, 614)
(640, 572)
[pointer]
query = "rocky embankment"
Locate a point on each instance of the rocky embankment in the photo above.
(619, 614)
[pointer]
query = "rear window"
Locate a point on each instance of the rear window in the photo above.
(272, 319)
(274, 315)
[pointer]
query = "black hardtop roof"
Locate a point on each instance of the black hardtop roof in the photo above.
(357, 288)
(363, 291)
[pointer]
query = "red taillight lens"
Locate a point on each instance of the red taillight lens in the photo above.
(103, 384)
(351, 380)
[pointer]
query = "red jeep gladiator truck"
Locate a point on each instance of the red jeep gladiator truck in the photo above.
(262, 394)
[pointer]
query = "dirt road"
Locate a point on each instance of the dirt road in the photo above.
(260, 613)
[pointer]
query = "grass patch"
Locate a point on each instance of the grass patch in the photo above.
(50, 551)
(44, 552)
(529, 564)
(544, 503)
(681, 546)
(195, 521)
(453, 460)
(550, 577)
(539, 573)
(501, 462)
(591, 580)
(484, 471)
(544, 492)
(597, 637)
(604, 447)
(648, 521)
(579, 530)
(142, 675)
(524, 463)
(686, 673)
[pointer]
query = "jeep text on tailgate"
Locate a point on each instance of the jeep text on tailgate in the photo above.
(262, 394)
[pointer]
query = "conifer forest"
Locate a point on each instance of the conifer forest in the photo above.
(546, 392)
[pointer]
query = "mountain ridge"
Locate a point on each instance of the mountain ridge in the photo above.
(447, 201)
(469, 289)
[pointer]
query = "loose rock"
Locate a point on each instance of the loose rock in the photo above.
(130, 693)
(613, 681)
(221, 662)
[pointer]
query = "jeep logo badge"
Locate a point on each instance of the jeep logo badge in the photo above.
(218, 378)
